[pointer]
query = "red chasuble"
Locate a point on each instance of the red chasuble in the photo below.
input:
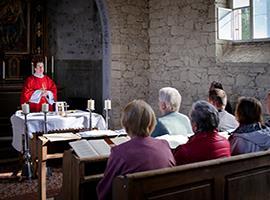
(34, 83)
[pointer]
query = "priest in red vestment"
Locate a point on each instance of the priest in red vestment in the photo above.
(39, 89)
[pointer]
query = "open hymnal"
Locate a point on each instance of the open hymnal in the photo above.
(174, 140)
(91, 148)
(120, 140)
(53, 137)
(100, 133)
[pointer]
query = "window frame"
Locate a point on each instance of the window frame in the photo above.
(251, 26)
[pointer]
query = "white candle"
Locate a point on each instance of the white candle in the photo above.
(32, 67)
(45, 64)
(91, 104)
(25, 108)
(52, 65)
(4, 70)
(107, 104)
(45, 107)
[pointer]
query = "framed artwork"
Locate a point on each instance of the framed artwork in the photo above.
(15, 26)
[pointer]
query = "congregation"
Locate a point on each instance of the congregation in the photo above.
(207, 119)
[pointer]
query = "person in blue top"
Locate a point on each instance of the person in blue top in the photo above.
(171, 122)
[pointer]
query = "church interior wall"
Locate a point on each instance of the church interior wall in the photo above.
(129, 53)
(167, 43)
(185, 53)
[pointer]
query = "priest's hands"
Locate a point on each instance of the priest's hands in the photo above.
(44, 91)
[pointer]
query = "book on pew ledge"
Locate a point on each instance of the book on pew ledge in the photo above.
(52, 137)
(120, 140)
(99, 133)
(174, 140)
(93, 148)
(90, 148)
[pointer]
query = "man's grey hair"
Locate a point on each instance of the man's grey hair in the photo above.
(204, 115)
(171, 97)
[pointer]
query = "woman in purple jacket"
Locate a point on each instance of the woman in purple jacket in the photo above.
(141, 153)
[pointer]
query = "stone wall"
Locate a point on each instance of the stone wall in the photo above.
(129, 53)
(74, 30)
(185, 54)
(182, 48)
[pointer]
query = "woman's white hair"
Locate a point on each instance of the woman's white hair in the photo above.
(171, 97)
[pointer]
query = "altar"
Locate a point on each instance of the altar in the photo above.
(75, 119)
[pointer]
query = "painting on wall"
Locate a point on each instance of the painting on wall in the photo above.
(15, 26)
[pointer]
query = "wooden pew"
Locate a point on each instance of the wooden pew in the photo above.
(81, 176)
(244, 177)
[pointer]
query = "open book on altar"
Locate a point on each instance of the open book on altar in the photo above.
(95, 148)
(53, 137)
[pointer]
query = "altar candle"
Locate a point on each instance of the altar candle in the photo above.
(107, 104)
(46, 62)
(91, 104)
(45, 107)
(52, 65)
(4, 70)
(32, 67)
(25, 108)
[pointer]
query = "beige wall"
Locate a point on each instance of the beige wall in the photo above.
(173, 43)
(129, 53)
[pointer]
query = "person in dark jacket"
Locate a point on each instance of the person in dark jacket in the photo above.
(206, 144)
(251, 135)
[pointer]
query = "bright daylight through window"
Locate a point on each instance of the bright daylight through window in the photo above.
(247, 20)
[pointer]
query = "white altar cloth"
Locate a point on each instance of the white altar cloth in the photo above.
(35, 123)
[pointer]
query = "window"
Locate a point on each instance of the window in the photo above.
(248, 20)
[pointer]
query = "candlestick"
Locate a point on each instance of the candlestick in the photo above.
(45, 107)
(27, 169)
(32, 68)
(46, 62)
(4, 70)
(91, 104)
(52, 65)
(107, 104)
(25, 108)
(107, 107)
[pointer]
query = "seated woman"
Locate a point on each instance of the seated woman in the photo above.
(218, 85)
(141, 153)
(206, 143)
(251, 135)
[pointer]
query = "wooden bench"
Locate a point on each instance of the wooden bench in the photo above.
(244, 177)
(81, 176)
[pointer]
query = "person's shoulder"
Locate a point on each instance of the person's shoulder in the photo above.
(181, 116)
(123, 146)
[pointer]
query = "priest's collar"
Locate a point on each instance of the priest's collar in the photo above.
(38, 75)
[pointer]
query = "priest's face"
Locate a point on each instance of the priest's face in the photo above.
(39, 69)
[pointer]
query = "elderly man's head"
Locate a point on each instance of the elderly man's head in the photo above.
(204, 117)
(169, 100)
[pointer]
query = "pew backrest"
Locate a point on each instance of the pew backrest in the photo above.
(239, 177)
